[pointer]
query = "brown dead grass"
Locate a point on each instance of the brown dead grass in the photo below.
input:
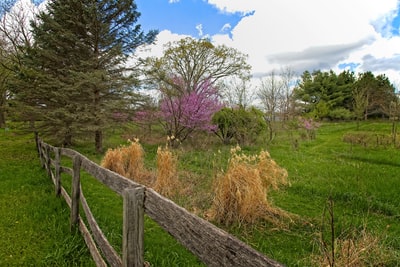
(128, 161)
(167, 182)
(359, 249)
(241, 192)
(113, 160)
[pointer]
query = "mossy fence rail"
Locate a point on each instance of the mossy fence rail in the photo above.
(211, 245)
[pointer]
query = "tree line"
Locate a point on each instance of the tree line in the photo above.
(327, 95)
(67, 72)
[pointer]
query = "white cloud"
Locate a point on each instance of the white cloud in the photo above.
(312, 34)
(309, 34)
(199, 28)
(157, 50)
(226, 27)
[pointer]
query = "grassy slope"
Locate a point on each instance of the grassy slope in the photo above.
(363, 182)
(34, 226)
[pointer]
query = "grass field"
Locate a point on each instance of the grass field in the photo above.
(360, 184)
(34, 228)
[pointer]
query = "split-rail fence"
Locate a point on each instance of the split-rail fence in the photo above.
(212, 245)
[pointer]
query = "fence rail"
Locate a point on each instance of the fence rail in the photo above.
(210, 244)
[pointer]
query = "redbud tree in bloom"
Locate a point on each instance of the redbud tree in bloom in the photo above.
(189, 111)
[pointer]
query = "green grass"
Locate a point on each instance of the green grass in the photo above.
(363, 183)
(34, 225)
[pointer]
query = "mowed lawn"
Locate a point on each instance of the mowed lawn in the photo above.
(34, 224)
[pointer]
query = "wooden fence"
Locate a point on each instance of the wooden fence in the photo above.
(211, 245)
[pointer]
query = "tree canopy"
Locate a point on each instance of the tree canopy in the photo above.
(197, 62)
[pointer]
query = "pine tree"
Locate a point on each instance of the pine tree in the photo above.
(75, 75)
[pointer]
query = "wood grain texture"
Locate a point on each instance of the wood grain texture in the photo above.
(133, 227)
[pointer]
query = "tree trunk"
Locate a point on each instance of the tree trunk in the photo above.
(2, 119)
(98, 137)
(394, 132)
(67, 140)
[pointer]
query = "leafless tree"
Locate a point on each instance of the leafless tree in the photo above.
(237, 92)
(15, 38)
(271, 95)
(289, 81)
(15, 27)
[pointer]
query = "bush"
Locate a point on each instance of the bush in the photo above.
(341, 114)
(243, 125)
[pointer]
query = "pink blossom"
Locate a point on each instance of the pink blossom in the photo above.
(191, 110)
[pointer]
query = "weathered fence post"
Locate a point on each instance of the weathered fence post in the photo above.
(48, 161)
(76, 190)
(40, 151)
(133, 228)
(57, 178)
(37, 143)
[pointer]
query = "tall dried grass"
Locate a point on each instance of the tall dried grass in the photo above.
(241, 191)
(359, 248)
(167, 182)
(113, 160)
(133, 157)
(127, 161)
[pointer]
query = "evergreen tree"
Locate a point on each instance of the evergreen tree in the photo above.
(324, 93)
(75, 74)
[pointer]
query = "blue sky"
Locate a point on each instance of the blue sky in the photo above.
(191, 17)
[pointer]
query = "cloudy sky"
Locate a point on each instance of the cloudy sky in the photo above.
(361, 35)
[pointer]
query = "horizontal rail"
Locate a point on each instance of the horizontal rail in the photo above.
(212, 245)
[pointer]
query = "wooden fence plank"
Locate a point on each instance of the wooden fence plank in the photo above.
(69, 153)
(76, 187)
(57, 177)
(98, 259)
(40, 151)
(113, 180)
(133, 228)
(67, 170)
(48, 161)
(212, 245)
(110, 254)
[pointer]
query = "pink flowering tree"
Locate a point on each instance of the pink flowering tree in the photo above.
(188, 111)
(310, 126)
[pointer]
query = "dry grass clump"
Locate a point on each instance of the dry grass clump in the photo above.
(127, 161)
(134, 160)
(241, 191)
(167, 182)
(113, 160)
(359, 249)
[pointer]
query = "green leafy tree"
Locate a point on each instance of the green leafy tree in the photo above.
(75, 75)
(373, 96)
(321, 93)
